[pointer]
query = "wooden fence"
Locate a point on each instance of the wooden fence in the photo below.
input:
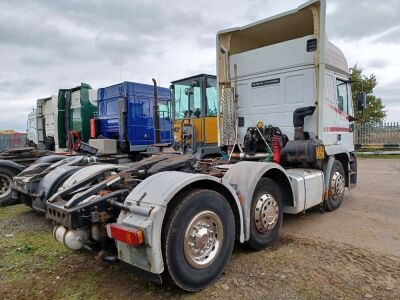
(380, 136)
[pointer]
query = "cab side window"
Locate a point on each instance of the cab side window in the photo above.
(211, 97)
(342, 95)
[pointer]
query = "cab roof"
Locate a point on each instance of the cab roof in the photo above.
(195, 76)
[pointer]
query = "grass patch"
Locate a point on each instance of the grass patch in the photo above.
(83, 287)
(28, 251)
(13, 210)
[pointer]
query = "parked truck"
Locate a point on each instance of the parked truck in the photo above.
(46, 122)
(124, 125)
(58, 123)
(31, 128)
(285, 121)
(195, 116)
(132, 116)
(75, 107)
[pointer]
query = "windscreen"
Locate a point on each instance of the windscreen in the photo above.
(187, 96)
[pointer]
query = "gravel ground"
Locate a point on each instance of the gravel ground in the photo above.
(352, 253)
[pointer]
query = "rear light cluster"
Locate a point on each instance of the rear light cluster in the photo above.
(125, 234)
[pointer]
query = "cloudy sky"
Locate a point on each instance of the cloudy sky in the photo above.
(46, 45)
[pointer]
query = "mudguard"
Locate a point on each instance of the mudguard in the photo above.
(245, 175)
(49, 185)
(68, 161)
(34, 169)
(50, 159)
(41, 180)
(11, 165)
(90, 171)
(148, 203)
(84, 178)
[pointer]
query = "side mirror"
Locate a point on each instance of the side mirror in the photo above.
(189, 91)
(195, 83)
(361, 101)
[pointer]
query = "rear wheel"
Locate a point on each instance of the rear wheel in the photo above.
(266, 214)
(198, 237)
(337, 184)
(6, 176)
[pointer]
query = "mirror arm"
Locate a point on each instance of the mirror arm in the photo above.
(352, 119)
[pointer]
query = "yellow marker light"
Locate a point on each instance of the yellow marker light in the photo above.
(320, 152)
(260, 124)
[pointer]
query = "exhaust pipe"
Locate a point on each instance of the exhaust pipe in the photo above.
(245, 156)
(122, 111)
(156, 116)
(298, 120)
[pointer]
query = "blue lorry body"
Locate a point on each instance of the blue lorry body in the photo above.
(139, 118)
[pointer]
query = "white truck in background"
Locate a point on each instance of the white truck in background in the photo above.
(42, 124)
(31, 128)
(47, 131)
(172, 216)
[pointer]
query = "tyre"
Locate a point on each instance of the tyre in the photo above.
(198, 237)
(25, 199)
(337, 184)
(266, 214)
(6, 177)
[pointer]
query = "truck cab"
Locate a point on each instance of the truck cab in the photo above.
(31, 129)
(195, 115)
(283, 71)
(128, 112)
(47, 122)
(75, 107)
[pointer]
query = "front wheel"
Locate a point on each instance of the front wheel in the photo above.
(198, 238)
(266, 214)
(337, 185)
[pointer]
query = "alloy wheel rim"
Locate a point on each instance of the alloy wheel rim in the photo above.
(266, 213)
(337, 185)
(203, 239)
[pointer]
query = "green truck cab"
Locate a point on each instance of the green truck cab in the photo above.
(76, 106)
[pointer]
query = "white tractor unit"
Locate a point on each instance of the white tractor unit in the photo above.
(286, 128)
(31, 128)
(47, 122)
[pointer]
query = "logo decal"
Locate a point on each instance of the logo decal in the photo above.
(266, 82)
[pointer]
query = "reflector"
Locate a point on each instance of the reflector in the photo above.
(125, 234)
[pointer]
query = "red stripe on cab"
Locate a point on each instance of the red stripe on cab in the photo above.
(336, 129)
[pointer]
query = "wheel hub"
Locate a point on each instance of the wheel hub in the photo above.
(203, 239)
(337, 185)
(5, 185)
(266, 213)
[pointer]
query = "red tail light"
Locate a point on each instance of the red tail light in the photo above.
(93, 132)
(125, 234)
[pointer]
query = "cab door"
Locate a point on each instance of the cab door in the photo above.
(345, 123)
(210, 112)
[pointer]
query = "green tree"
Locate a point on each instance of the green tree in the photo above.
(375, 111)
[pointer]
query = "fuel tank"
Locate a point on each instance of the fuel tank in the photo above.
(301, 151)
